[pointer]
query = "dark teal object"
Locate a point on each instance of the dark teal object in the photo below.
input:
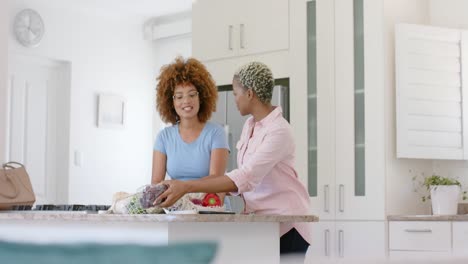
(187, 253)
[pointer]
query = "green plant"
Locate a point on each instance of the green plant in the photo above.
(435, 180)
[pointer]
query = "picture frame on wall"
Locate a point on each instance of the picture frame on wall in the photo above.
(111, 111)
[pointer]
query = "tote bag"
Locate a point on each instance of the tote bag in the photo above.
(15, 186)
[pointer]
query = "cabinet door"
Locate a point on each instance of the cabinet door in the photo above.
(360, 240)
(335, 240)
(359, 120)
(323, 245)
(213, 29)
(321, 107)
(263, 26)
(460, 238)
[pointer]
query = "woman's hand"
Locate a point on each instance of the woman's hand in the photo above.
(176, 189)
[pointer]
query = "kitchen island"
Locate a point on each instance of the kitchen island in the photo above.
(241, 238)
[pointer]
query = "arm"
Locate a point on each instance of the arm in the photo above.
(218, 163)
(159, 167)
(176, 189)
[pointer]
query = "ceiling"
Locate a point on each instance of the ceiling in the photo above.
(124, 8)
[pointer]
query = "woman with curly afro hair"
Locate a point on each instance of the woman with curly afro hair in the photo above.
(192, 147)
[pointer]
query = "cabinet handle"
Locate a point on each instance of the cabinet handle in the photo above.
(341, 243)
(341, 191)
(230, 37)
(326, 195)
(418, 230)
(327, 242)
(242, 36)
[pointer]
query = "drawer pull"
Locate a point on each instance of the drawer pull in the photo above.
(418, 230)
(327, 198)
(327, 242)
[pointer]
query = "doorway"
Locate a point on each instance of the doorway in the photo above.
(39, 125)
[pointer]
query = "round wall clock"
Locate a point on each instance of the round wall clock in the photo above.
(29, 28)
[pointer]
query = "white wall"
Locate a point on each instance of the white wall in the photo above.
(165, 51)
(3, 77)
(400, 197)
(107, 56)
(450, 14)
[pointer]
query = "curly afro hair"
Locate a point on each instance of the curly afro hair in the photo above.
(179, 72)
(258, 77)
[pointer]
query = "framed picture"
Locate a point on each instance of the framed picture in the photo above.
(111, 111)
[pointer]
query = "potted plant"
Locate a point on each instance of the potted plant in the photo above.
(444, 193)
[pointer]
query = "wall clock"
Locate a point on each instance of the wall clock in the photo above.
(29, 28)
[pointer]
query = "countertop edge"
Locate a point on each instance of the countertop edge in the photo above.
(57, 216)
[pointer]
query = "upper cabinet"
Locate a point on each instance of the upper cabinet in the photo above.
(431, 92)
(225, 28)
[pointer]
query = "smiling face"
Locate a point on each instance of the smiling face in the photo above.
(186, 101)
(242, 97)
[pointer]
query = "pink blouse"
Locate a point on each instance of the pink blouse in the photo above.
(266, 177)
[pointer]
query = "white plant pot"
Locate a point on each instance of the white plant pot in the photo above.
(445, 199)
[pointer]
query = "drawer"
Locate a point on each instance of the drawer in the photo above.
(460, 238)
(422, 236)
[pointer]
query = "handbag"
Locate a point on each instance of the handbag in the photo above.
(15, 186)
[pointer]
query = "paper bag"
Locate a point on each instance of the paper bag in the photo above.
(15, 186)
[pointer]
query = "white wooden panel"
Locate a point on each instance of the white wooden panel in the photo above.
(424, 236)
(429, 92)
(421, 76)
(324, 241)
(374, 199)
(360, 239)
(213, 33)
(434, 139)
(263, 26)
(434, 108)
(464, 89)
(344, 101)
(431, 33)
(431, 152)
(324, 204)
(436, 63)
(431, 123)
(433, 92)
(433, 47)
(460, 238)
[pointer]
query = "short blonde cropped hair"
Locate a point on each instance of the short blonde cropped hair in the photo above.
(258, 77)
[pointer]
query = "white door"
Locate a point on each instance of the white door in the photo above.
(34, 111)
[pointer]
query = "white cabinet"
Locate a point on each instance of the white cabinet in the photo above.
(341, 239)
(460, 239)
(431, 101)
(346, 179)
(427, 239)
(420, 236)
(225, 28)
(346, 129)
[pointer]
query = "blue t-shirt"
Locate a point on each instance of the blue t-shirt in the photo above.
(189, 161)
